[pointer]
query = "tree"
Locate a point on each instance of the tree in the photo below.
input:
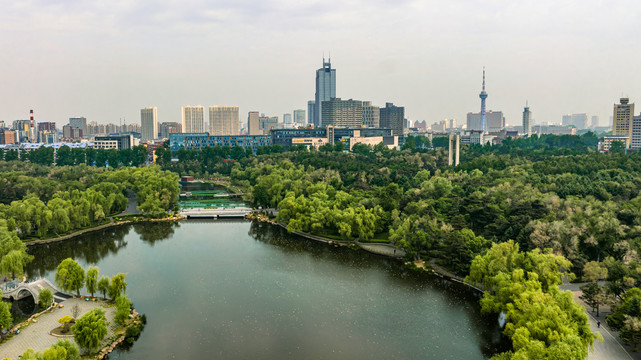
(92, 279)
(593, 295)
(13, 252)
(118, 286)
(66, 323)
(103, 286)
(5, 314)
(44, 298)
(631, 331)
(90, 329)
(617, 147)
(123, 308)
(70, 275)
(62, 350)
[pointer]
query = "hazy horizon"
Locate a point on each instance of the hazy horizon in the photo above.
(107, 61)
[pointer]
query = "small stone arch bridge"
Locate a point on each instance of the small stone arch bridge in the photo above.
(16, 291)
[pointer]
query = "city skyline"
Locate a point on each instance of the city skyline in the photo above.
(140, 54)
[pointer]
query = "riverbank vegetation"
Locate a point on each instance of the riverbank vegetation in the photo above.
(552, 194)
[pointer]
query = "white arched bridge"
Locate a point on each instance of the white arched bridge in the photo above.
(14, 290)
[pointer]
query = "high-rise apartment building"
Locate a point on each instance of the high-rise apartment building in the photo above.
(595, 122)
(149, 123)
(371, 115)
(167, 128)
(325, 89)
(342, 113)
(266, 123)
(622, 119)
(527, 121)
(393, 117)
(253, 125)
(299, 116)
(79, 122)
(193, 119)
(46, 126)
(287, 118)
(223, 120)
(635, 141)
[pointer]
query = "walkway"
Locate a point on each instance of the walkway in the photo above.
(132, 204)
(36, 335)
(444, 273)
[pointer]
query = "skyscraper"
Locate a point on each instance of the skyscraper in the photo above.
(325, 89)
(253, 126)
(483, 96)
(595, 121)
(622, 120)
(299, 116)
(223, 120)
(579, 121)
(149, 123)
(79, 122)
(393, 117)
(311, 111)
(527, 120)
(287, 118)
(193, 119)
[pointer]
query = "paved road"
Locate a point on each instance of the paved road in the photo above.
(132, 205)
(609, 349)
(36, 336)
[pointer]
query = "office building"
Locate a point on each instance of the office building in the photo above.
(79, 122)
(149, 123)
(342, 113)
(253, 124)
(193, 119)
(223, 120)
(494, 121)
(197, 141)
(121, 142)
(266, 123)
(579, 121)
(46, 126)
(311, 110)
(527, 121)
(393, 117)
(299, 116)
(325, 89)
(595, 122)
(70, 132)
(170, 127)
(348, 136)
(371, 115)
(622, 120)
(287, 118)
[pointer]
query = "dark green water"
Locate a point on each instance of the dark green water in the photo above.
(237, 290)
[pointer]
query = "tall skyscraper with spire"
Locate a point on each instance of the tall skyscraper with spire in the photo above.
(483, 96)
(325, 89)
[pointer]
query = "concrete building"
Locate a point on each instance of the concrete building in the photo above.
(266, 123)
(325, 89)
(622, 120)
(197, 141)
(7, 137)
(79, 122)
(579, 121)
(371, 115)
(193, 119)
(420, 125)
(393, 117)
(494, 121)
(527, 121)
(595, 122)
(149, 123)
(167, 128)
(284, 137)
(299, 116)
(71, 133)
(342, 113)
(311, 110)
(123, 141)
(554, 130)
(287, 118)
(223, 120)
(635, 142)
(46, 126)
(253, 125)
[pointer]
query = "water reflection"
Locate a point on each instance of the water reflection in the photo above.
(156, 231)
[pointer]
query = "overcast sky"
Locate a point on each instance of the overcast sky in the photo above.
(106, 60)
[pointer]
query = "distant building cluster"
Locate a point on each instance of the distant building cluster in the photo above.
(626, 127)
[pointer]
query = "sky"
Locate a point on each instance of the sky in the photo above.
(107, 60)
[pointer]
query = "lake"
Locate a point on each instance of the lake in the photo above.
(236, 290)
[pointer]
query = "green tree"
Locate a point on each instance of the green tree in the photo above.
(617, 147)
(45, 298)
(118, 286)
(593, 295)
(123, 308)
(103, 286)
(92, 279)
(70, 275)
(13, 252)
(631, 331)
(5, 314)
(90, 329)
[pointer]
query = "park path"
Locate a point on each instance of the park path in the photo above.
(36, 335)
(132, 204)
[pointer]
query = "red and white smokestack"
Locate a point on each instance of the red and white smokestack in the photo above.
(32, 134)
